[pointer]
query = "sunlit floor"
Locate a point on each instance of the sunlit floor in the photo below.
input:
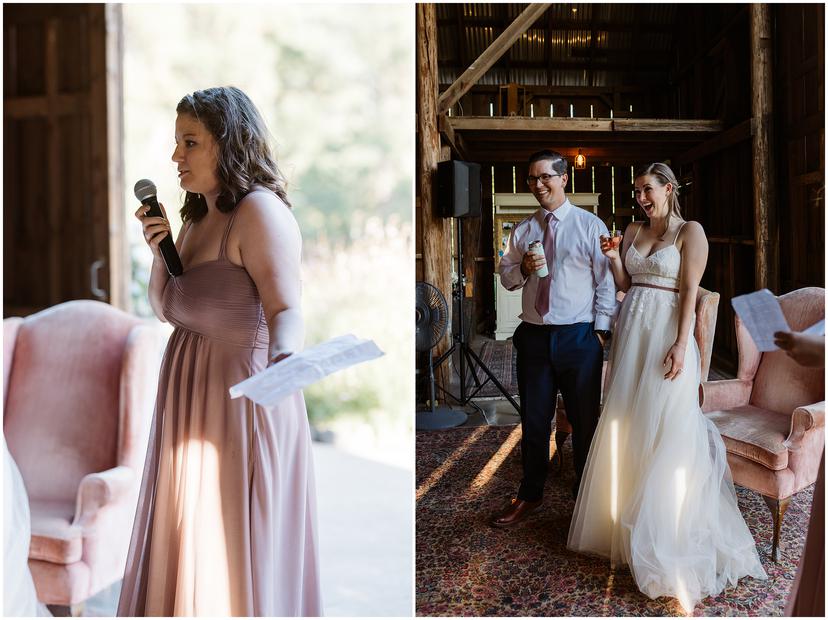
(366, 549)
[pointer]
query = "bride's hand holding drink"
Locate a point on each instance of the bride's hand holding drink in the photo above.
(610, 244)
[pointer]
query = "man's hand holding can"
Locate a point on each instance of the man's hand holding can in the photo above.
(534, 261)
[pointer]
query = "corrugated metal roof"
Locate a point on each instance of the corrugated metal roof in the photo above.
(538, 47)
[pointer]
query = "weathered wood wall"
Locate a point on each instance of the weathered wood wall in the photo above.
(800, 106)
(63, 209)
(713, 60)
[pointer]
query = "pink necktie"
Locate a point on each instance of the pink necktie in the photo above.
(542, 297)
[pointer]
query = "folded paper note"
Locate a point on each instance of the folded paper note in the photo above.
(762, 316)
(301, 369)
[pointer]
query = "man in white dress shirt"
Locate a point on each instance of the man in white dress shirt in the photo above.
(565, 322)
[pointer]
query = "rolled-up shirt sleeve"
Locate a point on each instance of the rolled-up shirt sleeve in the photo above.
(605, 301)
(510, 276)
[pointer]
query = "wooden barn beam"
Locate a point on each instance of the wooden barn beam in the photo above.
(766, 233)
(435, 232)
(563, 91)
(454, 140)
(53, 167)
(490, 56)
(522, 123)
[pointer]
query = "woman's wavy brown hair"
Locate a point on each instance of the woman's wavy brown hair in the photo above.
(244, 155)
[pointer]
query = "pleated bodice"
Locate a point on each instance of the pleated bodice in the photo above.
(217, 300)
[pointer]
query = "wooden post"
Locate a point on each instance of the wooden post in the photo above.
(766, 235)
(434, 232)
(53, 167)
(119, 259)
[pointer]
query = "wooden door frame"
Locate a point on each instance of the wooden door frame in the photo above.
(102, 105)
(107, 143)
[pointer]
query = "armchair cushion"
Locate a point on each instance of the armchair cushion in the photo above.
(54, 537)
(755, 434)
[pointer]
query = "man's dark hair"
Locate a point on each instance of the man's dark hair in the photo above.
(559, 163)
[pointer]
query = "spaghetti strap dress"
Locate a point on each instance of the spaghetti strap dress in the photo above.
(657, 494)
(226, 522)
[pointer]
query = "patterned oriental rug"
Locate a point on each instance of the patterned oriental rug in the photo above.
(467, 568)
(499, 356)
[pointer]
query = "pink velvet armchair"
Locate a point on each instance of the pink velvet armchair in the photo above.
(707, 306)
(79, 387)
(772, 415)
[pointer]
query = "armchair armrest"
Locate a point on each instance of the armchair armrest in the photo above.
(726, 394)
(803, 420)
(100, 489)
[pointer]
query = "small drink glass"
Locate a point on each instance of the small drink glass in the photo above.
(613, 242)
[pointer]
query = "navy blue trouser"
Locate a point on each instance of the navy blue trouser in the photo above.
(551, 358)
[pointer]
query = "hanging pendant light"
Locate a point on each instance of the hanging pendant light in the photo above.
(580, 161)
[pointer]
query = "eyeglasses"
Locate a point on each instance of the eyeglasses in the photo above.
(544, 178)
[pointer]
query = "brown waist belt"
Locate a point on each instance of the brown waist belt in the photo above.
(661, 288)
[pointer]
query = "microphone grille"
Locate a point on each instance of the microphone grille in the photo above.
(144, 189)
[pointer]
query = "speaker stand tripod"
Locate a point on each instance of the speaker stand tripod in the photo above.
(467, 355)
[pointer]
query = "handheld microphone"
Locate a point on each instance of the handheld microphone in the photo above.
(145, 191)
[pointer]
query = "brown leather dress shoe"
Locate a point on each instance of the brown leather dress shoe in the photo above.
(514, 513)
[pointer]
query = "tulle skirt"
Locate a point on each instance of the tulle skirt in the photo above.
(656, 493)
(19, 597)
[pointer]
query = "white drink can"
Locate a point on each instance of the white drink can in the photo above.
(536, 247)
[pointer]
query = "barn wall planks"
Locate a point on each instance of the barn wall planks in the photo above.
(60, 191)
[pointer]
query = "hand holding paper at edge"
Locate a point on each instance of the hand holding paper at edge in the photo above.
(299, 370)
(762, 316)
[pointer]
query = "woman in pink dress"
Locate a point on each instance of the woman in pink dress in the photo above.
(226, 522)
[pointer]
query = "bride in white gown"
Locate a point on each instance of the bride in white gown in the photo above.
(19, 597)
(656, 493)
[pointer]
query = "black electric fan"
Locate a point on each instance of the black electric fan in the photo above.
(431, 324)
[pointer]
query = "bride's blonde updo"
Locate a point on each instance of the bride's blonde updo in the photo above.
(664, 174)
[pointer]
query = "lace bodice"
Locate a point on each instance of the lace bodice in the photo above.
(661, 268)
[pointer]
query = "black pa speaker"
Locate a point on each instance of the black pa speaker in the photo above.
(458, 189)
